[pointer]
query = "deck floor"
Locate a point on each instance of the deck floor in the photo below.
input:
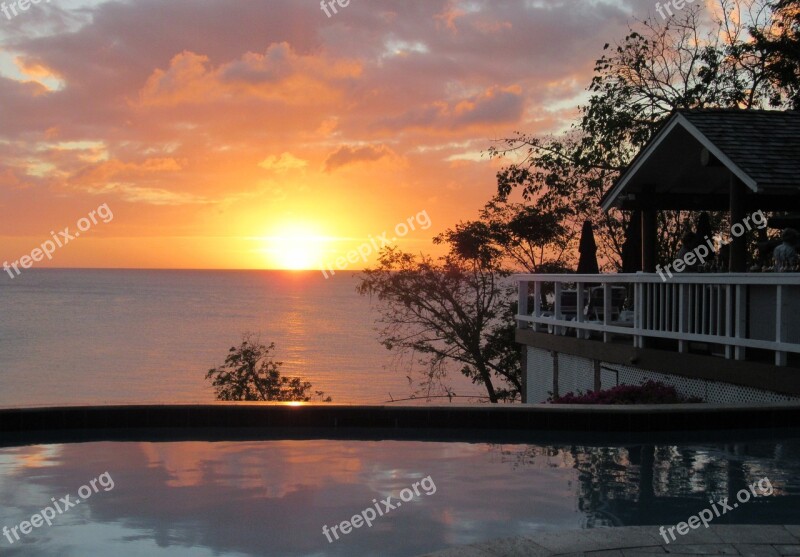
(641, 541)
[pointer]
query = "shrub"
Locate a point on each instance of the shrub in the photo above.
(650, 392)
(250, 374)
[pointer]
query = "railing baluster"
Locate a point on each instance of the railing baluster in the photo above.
(673, 314)
(580, 303)
(683, 296)
(780, 323)
(638, 317)
(713, 292)
(696, 326)
(740, 316)
(557, 308)
(704, 310)
(729, 312)
(723, 309)
(606, 310)
(716, 311)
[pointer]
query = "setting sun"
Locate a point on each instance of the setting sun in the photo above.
(294, 247)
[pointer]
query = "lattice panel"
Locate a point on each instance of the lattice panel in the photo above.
(577, 374)
(574, 374)
(540, 375)
(722, 393)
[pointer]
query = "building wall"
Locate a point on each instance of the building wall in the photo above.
(577, 373)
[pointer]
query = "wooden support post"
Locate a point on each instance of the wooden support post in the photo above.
(737, 262)
(522, 304)
(649, 240)
(638, 315)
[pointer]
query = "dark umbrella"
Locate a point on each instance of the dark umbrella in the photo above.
(587, 264)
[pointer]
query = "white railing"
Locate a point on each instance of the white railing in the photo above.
(735, 311)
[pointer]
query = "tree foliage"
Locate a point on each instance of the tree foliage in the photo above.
(516, 236)
(453, 311)
(781, 46)
(249, 374)
(692, 61)
(459, 310)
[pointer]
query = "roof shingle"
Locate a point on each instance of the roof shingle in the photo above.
(765, 144)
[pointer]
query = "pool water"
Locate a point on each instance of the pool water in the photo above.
(274, 497)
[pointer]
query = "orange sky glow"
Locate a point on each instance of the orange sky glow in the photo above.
(257, 135)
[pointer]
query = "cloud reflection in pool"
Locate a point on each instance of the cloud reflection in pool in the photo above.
(272, 497)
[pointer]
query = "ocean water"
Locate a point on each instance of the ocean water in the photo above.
(140, 336)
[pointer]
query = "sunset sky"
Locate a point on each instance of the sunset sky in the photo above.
(264, 134)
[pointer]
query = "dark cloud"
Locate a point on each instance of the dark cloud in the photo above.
(346, 155)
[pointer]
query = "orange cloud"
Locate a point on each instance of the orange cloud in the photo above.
(112, 169)
(347, 155)
(283, 163)
(279, 74)
(495, 105)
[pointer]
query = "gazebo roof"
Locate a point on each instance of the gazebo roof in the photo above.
(759, 147)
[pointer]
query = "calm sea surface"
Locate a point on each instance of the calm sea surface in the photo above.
(120, 336)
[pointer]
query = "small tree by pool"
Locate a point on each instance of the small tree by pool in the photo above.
(249, 374)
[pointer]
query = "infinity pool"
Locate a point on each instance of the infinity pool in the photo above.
(274, 497)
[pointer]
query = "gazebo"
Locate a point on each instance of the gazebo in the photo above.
(724, 336)
(712, 159)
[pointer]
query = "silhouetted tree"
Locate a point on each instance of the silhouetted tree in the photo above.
(694, 60)
(249, 374)
(782, 49)
(518, 237)
(454, 311)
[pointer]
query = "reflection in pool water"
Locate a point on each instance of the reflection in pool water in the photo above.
(273, 497)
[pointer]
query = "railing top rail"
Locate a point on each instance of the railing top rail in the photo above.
(679, 278)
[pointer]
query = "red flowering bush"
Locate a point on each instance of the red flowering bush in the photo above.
(651, 392)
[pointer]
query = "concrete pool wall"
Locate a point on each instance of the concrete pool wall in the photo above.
(571, 423)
